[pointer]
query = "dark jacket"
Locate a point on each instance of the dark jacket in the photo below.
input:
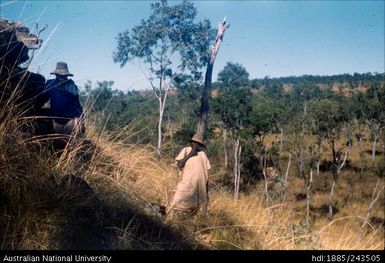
(64, 98)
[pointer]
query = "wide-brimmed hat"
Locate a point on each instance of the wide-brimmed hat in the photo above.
(197, 138)
(62, 69)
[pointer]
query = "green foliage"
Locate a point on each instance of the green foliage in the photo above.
(303, 93)
(233, 107)
(351, 81)
(265, 115)
(370, 106)
(185, 133)
(274, 92)
(172, 45)
(188, 99)
(169, 30)
(113, 110)
(234, 75)
(102, 95)
(251, 169)
(328, 117)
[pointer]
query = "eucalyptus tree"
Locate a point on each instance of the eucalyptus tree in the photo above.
(232, 105)
(234, 75)
(372, 111)
(233, 102)
(329, 118)
(265, 116)
(302, 93)
(171, 45)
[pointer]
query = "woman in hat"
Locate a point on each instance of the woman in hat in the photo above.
(192, 191)
(64, 101)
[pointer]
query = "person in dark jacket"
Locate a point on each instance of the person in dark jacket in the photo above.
(64, 101)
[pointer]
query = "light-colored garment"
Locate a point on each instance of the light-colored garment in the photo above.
(191, 191)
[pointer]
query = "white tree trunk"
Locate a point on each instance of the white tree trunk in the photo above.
(308, 196)
(301, 164)
(160, 120)
(237, 168)
(375, 196)
(318, 166)
(374, 146)
(224, 146)
(330, 216)
(319, 158)
(287, 171)
(162, 104)
(362, 156)
(262, 161)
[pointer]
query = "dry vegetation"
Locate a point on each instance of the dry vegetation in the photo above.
(38, 211)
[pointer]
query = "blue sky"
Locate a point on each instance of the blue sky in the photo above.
(269, 38)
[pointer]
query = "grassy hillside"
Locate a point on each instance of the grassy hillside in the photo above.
(41, 210)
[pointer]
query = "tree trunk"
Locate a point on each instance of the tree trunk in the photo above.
(262, 161)
(300, 162)
(162, 104)
(330, 216)
(336, 173)
(287, 170)
(374, 146)
(362, 157)
(319, 157)
(160, 120)
(204, 111)
(375, 196)
(281, 142)
(308, 196)
(237, 168)
(318, 165)
(224, 146)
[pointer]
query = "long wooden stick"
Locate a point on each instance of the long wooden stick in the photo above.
(208, 77)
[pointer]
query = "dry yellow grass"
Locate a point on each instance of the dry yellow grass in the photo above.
(130, 176)
(241, 224)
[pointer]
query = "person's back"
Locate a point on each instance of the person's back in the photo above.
(192, 190)
(64, 101)
(64, 98)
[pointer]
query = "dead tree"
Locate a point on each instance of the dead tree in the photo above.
(204, 111)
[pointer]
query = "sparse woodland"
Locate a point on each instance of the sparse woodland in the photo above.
(297, 162)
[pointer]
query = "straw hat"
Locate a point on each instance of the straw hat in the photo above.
(197, 138)
(62, 69)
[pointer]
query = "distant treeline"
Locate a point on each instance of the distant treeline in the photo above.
(352, 80)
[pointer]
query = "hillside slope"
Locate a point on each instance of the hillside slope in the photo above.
(105, 205)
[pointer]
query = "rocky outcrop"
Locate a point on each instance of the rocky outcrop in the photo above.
(19, 88)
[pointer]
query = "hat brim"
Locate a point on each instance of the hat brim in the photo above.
(197, 141)
(62, 74)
